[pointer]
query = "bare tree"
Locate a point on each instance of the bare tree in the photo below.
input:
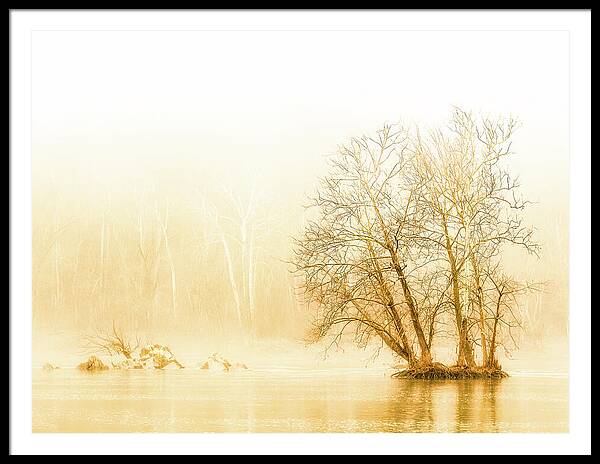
(112, 342)
(163, 222)
(471, 207)
(407, 225)
(503, 311)
(236, 231)
(147, 250)
(354, 258)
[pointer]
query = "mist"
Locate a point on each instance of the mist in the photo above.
(170, 170)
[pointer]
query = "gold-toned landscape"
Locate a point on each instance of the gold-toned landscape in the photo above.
(251, 247)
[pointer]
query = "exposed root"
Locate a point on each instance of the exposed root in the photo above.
(440, 371)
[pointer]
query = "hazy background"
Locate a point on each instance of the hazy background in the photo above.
(225, 133)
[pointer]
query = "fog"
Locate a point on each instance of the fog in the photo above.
(170, 170)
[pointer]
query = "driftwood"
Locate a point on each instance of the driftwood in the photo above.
(158, 357)
(150, 357)
(217, 363)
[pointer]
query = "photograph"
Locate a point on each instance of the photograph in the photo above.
(301, 224)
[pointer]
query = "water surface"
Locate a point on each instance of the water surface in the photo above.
(293, 400)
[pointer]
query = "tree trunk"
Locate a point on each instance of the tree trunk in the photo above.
(414, 317)
(172, 272)
(103, 246)
(390, 305)
(402, 348)
(251, 266)
(491, 360)
(397, 347)
(467, 347)
(57, 286)
(232, 282)
(479, 300)
(465, 353)
(423, 345)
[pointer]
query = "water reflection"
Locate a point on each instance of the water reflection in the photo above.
(490, 390)
(293, 401)
(464, 404)
(475, 405)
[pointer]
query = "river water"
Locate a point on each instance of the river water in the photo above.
(293, 400)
